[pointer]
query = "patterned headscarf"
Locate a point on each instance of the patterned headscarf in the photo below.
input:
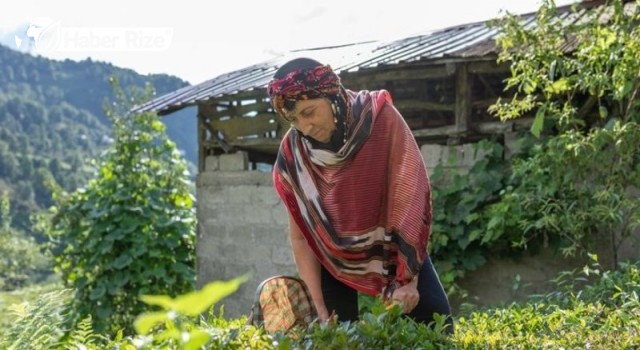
(303, 84)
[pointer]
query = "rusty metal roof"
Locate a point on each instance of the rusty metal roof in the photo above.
(466, 41)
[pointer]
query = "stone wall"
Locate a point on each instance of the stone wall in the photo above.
(243, 229)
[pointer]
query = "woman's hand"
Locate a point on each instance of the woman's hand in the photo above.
(407, 296)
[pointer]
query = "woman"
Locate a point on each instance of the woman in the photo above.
(357, 193)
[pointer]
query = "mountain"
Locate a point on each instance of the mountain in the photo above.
(52, 123)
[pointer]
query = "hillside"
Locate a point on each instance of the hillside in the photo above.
(52, 123)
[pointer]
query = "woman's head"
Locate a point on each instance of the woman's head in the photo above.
(304, 92)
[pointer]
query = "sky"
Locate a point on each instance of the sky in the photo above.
(199, 40)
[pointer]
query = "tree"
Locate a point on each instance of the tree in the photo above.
(131, 230)
(20, 259)
(579, 75)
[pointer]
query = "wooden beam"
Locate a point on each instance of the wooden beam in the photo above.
(220, 142)
(439, 131)
(423, 105)
(256, 143)
(437, 72)
(202, 136)
(487, 67)
(455, 60)
(463, 98)
(484, 103)
(239, 110)
(489, 128)
(252, 107)
(207, 108)
(396, 74)
(263, 145)
(244, 126)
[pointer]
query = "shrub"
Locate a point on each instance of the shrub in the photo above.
(131, 230)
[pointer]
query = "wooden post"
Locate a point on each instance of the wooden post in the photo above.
(202, 135)
(463, 99)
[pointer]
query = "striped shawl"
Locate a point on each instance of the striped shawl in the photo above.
(365, 211)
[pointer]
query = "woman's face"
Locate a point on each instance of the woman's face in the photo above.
(313, 118)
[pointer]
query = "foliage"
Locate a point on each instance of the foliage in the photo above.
(52, 123)
(574, 188)
(176, 327)
(39, 145)
(44, 321)
(10, 298)
(459, 241)
(546, 326)
(175, 324)
(20, 259)
(83, 335)
(601, 70)
(383, 327)
(590, 308)
(578, 184)
(130, 231)
(40, 323)
(601, 314)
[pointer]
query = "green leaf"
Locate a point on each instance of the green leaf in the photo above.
(106, 173)
(552, 69)
(96, 212)
(529, 86)
(98, 292)
(195, 303)
(626, 88)
(559, 86)
(145, 322)
(471, 218)
(122, 261)
(197, 338)
(495, 221)
(474, 235)
(159, 300)
(183, 201)
(538, 122)
(157, 125)
(103, 312)
(121, 279)
(114, 235)
(604, 113)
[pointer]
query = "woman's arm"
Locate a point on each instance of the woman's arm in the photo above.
(308, 267)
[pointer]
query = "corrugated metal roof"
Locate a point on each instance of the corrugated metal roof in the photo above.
(463, 41)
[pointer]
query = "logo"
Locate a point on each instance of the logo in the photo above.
(44, 35)
(40, 35)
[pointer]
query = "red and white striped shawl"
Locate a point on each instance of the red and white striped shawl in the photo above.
(366, 210)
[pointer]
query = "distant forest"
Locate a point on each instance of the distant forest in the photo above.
(52, 123)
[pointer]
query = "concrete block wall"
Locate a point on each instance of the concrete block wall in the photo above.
(242, 228)
(453, 158)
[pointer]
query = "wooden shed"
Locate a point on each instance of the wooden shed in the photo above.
(441, 81)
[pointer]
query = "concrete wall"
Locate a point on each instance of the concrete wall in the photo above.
(243, 229)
